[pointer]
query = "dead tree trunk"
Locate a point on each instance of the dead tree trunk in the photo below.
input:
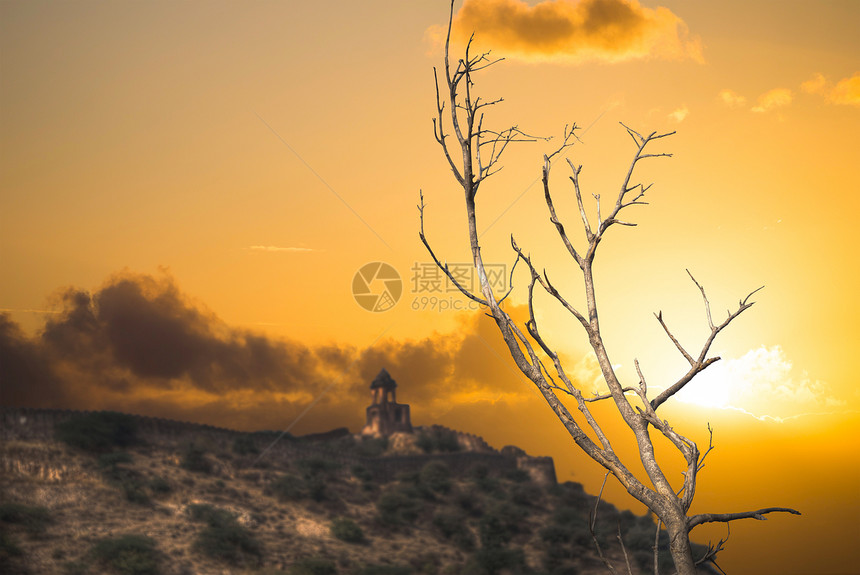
(477, 152)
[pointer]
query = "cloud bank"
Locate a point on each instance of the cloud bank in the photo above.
(846, 91)
(575, 31)
(141, 345)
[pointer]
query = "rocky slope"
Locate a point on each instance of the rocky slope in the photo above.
(189, 505)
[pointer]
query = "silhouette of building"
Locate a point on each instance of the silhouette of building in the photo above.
(384, 415)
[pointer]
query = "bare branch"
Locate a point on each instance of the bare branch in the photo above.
(687, 356)
(531, 327)
(608, 395)
(710, 555)
(604, 224)
(510, 281)
(643, 386)
(624, 550)
(701, 463)
(700, 363)
(592, 518)
(705, 298)
(553, 217)
(586, 225)
(548, 287)
(439, 133)
(726, 517)
(439, 264)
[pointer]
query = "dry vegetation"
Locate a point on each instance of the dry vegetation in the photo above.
(124, 506)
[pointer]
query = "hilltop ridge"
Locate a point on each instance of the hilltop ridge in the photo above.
(403, 452)
(104, 492)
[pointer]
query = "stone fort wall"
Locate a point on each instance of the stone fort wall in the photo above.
(32, 424)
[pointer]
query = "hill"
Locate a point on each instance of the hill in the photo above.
(113, 493)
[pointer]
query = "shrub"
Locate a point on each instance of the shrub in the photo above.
(560, 568)
(436, 476)
(8, 548)
(129, 481)
(209, 514)
(470, 502)
(229, 542)
(75, 568)
(317, 488)
(372, 446)
(317, 466)
(554, 535)
(362, 473)
(98, 431)
(114, 458)
(395, 508)
(224, 538)
(289, 488)
(566, 515)
(128, 555)
(571, 494)
(194, 459)
(244, 445)
(385, 570)
(347, 530)
(489, 561)
(160, 485)
(526, 494)
(34, 520)
(452, 525)
(571, 522)
(314, 566)
(11, 556)
(513, 517)
(479, 471)
(134, 492)
(494, 532)
(480, 475)
(317, 472)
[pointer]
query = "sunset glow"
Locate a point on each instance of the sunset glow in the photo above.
(189, 190)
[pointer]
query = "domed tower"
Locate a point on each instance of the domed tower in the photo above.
(384, 415)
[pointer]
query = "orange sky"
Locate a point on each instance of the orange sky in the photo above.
(208, 177)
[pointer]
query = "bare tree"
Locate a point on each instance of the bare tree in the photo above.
(473, 154)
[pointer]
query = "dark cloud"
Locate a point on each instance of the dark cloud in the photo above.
(26, 378)
(139, 344)
(575, 30)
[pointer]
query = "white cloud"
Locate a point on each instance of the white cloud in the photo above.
(815, 85)
(847, 91)
(763, 383)
(731, 98)
(678, 115)
(776, 98)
